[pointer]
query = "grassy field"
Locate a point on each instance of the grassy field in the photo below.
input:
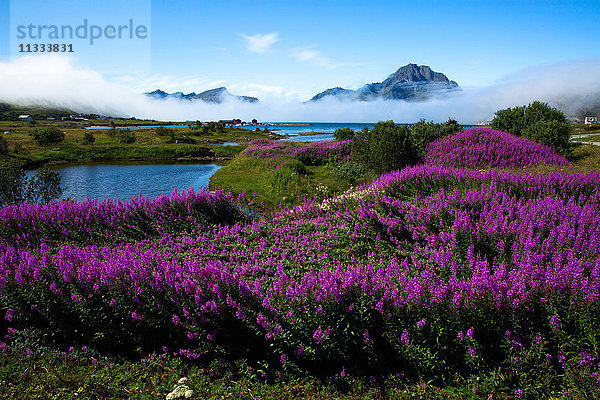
(186, 143)
(274, 188)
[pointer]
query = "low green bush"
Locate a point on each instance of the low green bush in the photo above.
(350, 170)
(47, 135)
(126, 136)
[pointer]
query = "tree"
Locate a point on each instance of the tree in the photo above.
(43, 187)
(385, 148)
(555, 134)
(88, 138)
(422, 133)
(16, 187)
(510, 120)
(12, 179)
(47, 135)
(538, 122)
(343, 134)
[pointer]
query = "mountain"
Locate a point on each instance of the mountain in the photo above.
(339, 92)
(217, 96)
(411, 82)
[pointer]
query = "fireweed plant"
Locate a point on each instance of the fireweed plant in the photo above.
(484, 147)
(432, 273)
(315, 153)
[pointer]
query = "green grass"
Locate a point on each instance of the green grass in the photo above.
(46, 374)
(594, 138)
(282, 186)
(148, 145)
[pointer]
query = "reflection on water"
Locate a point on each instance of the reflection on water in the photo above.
(126, 180)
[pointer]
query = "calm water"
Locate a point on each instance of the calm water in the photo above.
(127, 180)
(319, 127)
(225, 144)
(281, 128)
(311, 138)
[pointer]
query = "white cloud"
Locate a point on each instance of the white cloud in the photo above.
(261, 42)
(59, 81)
(265, 92)
(144, 83)
(310, 55)
(305, 54)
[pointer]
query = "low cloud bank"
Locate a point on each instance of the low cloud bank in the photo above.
(59, 81)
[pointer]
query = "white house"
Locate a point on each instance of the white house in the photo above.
(25, 118)
(591, 120)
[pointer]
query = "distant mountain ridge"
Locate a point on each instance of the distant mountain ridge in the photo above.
(216, 96)
(411, 82)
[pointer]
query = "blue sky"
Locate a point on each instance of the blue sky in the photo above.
(300, 48)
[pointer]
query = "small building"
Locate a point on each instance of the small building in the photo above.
(26, 117)
(591, 120)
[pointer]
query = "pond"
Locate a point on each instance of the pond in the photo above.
(126, 180)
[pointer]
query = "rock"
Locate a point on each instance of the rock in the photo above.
(181, 391)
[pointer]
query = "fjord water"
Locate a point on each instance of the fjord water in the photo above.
(300, 128)
(126, 180)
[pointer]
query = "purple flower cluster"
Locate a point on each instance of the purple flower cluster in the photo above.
(479, 252)
(91, 221)
(484, 147)
(321, 152)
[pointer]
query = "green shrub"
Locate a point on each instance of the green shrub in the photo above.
(297, 167)
(126, 136)
(343, 134)
(350, 170)
(162, 131)
(385, 148)
(88, 138)
(47, 135)
(536, 121)
(422, 133)
(551, 133)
